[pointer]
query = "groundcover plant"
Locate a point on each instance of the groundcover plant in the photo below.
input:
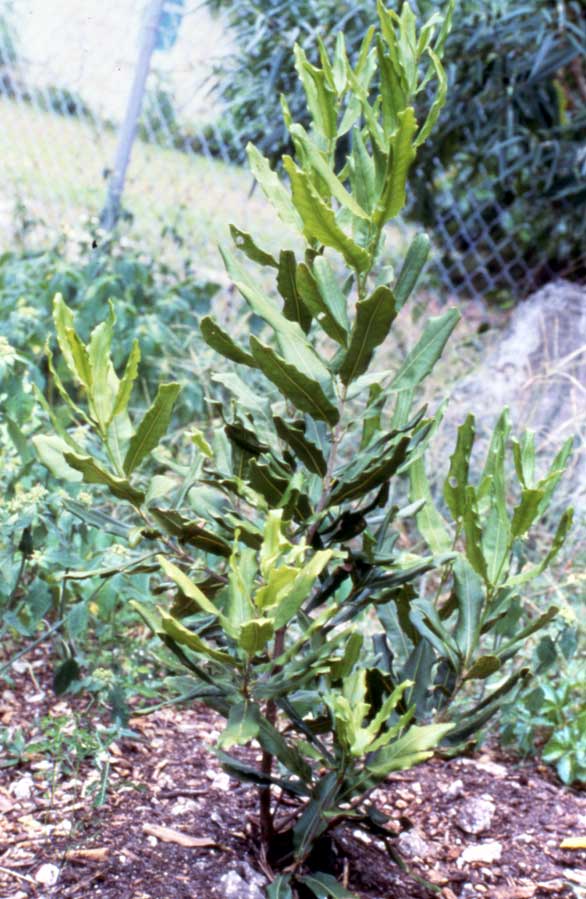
(300, 612)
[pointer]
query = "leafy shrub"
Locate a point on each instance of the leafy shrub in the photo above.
(281, 536)
(549, 717)
(43, 530)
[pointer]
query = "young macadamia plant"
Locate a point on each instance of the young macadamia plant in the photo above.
(280, 541)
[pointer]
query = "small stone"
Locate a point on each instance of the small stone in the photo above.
(493, 768)
(22, 788)
(476, 815)
(412, 845)
(483, 853)
(183, 806)
(455, 789)
(221, 781)
(48, 875)
(152, 841)
(249, 886)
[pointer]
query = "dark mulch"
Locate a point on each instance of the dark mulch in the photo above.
(171, 779)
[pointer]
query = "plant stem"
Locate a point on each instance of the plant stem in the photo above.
(267, 825)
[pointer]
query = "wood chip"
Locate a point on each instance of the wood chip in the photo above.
(97, 855)
(573, 843)
(169, 835)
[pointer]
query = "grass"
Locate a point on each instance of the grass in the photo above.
(56, 168)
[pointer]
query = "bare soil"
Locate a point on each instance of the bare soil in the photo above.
(54, 844)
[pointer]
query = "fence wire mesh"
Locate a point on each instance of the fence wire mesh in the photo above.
(67, 71)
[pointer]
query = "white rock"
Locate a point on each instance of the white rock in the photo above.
(493, 768)
(455, 789)
(476, 815)
(249, 886)
(485, 853)
(22, 788)
(221, 781)
(412, 845)
(183, 806)
(47, 875)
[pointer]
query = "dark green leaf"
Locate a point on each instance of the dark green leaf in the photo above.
(483, 667)
(222, 343)
(307, 452)
(67, 672)
(311, 295)
(294, 309)
(374, 317)
(305, 393)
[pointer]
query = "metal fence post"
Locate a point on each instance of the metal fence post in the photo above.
(128, 128)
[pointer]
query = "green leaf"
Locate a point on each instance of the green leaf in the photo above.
(293, 342)
(401, 155)
(272, 188)
(67, 672)
(324, 886)
(422, 358)
(527, 511)
(104, 385)
(180, 634)
(562, 531)
(312, 822)
(190, 589)
(374, 317)
(72, 349)
(473, 533)
(318, 161)
(430, 522)
(190, 532)
(332, 296)
(95, 474)
(294, 309)
(469, 590)
(280, 888)
(321, 99)
(222, 343)
(51, 451)
(437, 104)
(411, 269)
(371, 475)
(245, 242)
(153, 426)
(362, 172)
(242, 727)
(457, 480)
(300, 588)
(255, 634)
(507, 650)
(293, 433)
(483, 667)
(312, 297)
(413, 747)
(319, 220)
(126, 384)
(305, 393)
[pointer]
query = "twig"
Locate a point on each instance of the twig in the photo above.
(18, 876)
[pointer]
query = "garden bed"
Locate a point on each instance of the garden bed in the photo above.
(169, 778)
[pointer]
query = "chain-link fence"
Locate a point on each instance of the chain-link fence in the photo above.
(113, 103)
